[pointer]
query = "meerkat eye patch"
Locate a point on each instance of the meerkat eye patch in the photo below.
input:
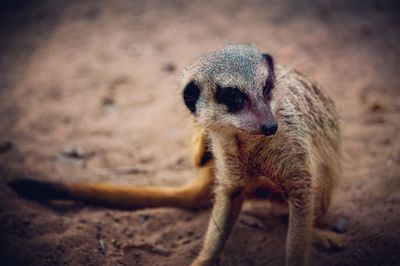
(233, 98)
(191, 94)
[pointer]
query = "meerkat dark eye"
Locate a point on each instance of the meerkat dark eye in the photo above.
(233, 98)
(191, 94)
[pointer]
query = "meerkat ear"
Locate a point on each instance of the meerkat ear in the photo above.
(191, 94)
(270, 63)
(269, 59)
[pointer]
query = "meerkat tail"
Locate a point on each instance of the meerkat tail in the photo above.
(193, 195)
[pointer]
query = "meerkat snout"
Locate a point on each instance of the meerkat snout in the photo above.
(269, 129)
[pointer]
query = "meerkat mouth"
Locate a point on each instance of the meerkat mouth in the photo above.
(262, 132)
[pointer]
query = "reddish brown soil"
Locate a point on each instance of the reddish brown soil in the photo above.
(103, 76)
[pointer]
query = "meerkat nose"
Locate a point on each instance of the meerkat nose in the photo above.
(269, 129)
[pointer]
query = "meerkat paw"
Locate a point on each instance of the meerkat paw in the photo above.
(328, 240)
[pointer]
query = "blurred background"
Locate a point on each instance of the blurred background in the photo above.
(89, 91)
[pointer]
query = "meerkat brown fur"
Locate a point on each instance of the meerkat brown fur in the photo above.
(259, 126)
(267, 125)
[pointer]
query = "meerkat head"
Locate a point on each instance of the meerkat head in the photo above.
(231, 90)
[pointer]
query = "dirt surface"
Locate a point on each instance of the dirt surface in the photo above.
(100, 80)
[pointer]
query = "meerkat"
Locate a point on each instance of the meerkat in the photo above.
(259, 125)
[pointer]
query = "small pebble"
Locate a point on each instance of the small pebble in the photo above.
(101, 245)
(376, 107)
(73, 152)
(187, 241)
(169, 67)
(108, 101)
(144, 218)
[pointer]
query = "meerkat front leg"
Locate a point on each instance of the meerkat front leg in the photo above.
(300, 227)
(226, 209)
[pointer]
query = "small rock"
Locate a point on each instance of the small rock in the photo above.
(74, 152)
(376, 107)
(108, 101)
(144, 218)
(102, 248)
(180, 161)
(187, 241)
(169, 67)
(340, 224)
(109, 105)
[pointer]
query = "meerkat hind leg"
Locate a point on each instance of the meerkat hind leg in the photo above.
(323, 237)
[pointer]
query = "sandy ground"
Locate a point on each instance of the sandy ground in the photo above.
(103, 77)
